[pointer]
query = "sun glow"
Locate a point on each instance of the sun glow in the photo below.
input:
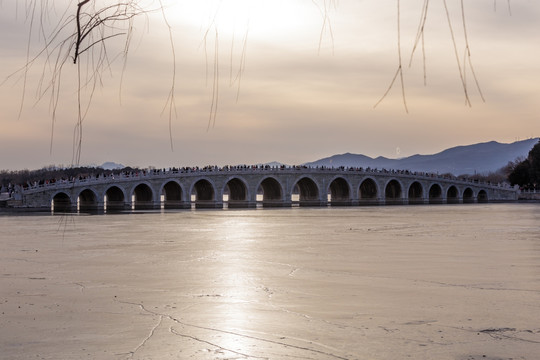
(263, 19)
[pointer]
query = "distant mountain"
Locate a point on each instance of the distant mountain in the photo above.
(109, 165)
(479, 158)
(273, 163)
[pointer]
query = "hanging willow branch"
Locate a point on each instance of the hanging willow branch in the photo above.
(399, 71)
(92, 25)
(462, 68)
(81, 35)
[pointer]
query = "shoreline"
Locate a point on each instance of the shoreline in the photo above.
(14, 210)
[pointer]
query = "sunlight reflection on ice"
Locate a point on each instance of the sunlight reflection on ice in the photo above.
(235, 236)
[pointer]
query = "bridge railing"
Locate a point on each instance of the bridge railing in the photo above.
(253, 169)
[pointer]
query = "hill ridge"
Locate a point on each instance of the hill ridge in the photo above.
(479, 158)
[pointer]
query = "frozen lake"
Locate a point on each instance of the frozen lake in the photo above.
(420, 282)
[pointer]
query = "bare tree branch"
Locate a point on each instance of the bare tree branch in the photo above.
(399, 71)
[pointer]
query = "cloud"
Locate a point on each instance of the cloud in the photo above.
(296, 101)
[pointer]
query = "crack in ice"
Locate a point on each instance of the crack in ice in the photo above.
(145, 340)
(162, 316)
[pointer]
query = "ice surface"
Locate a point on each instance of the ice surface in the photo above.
(421, 282)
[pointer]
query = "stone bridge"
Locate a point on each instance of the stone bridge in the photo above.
(253, 186)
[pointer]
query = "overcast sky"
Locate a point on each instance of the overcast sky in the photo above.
(307, 88)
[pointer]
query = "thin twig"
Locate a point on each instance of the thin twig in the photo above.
(461, 76)
(170, 103)
(399, 71)
(215, 85)
(420, 39)
(80, 34)
(468, 52)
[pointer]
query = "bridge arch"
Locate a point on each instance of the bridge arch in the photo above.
(61, 202)
(143, 197)
(308, 191)
(115, 199)
(87, 201)
(435, 194)
(452, 195)
(482, 196)
(368, 191)
(204, 193)
(468, 196)
(272, 192)
(237, 190)
(416, 193)
(393, 192)
(340, 192)
(172, 195)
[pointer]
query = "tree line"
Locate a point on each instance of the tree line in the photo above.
(526, 173)
(20, 177)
